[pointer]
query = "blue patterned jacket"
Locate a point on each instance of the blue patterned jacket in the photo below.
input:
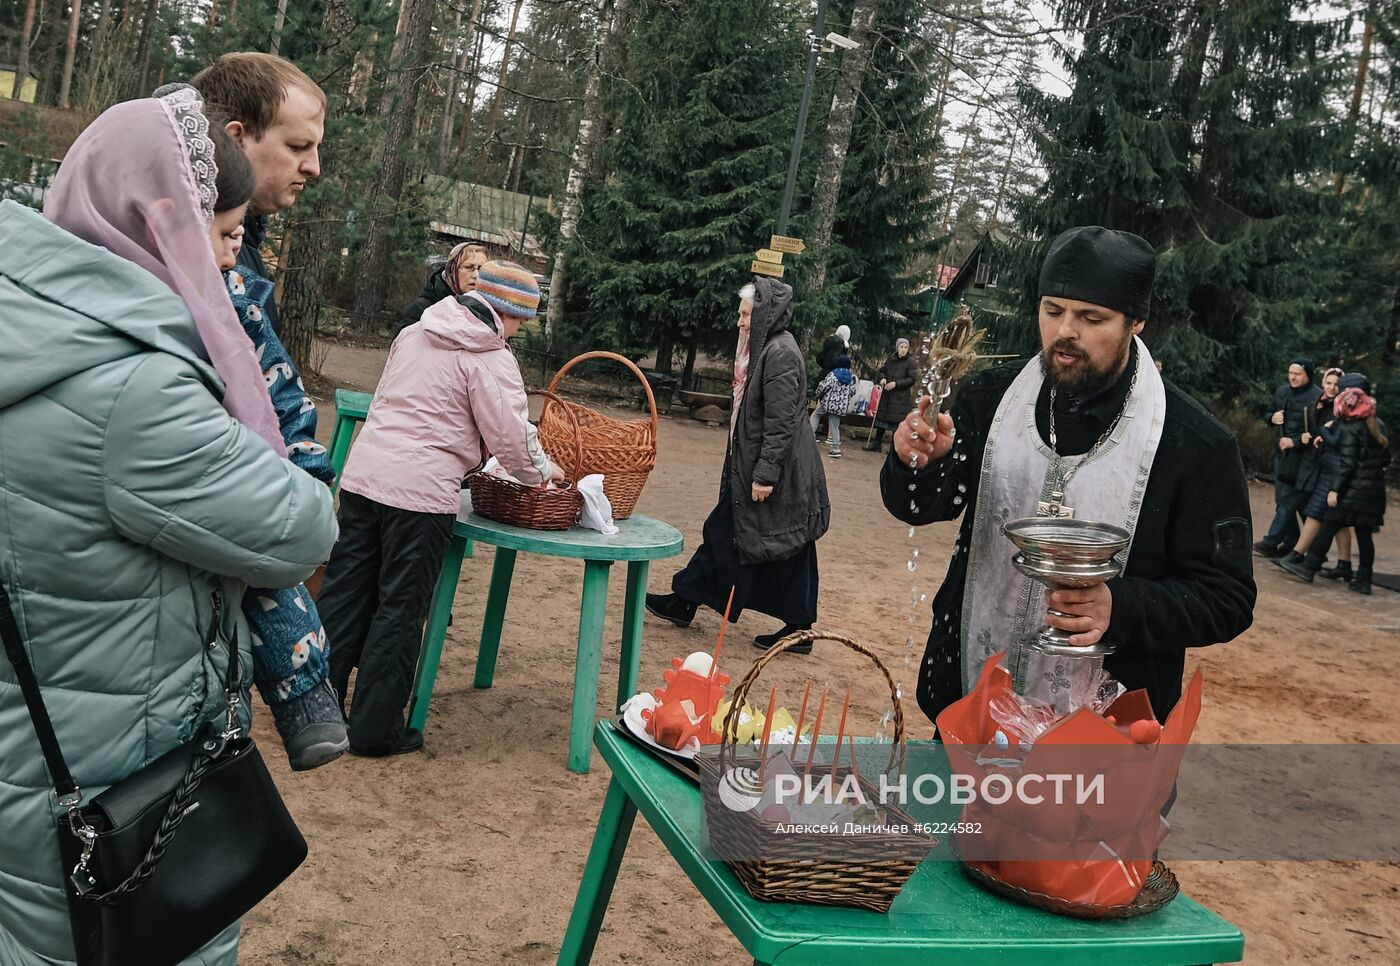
(296, 412)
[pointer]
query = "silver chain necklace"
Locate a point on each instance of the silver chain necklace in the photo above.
(1055, 506)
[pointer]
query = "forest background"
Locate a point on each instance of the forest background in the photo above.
(1255, 143)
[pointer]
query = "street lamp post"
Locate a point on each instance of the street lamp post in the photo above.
(814, 39)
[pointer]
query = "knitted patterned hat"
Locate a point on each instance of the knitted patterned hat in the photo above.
(510, 288)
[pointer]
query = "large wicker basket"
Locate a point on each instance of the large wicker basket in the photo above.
(556, 508)
(850, 871)
(623, 450)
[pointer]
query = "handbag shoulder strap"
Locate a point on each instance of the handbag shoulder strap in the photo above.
(68, 792)
(29, 685)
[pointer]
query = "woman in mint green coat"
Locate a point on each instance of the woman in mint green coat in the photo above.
(138, 484)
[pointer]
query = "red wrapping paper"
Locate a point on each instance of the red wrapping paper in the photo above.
(1097, 852)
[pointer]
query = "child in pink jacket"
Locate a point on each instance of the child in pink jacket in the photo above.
(451, 395)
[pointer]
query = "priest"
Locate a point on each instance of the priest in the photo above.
(1088, 429)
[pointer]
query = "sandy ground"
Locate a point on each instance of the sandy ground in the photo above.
(471, 851)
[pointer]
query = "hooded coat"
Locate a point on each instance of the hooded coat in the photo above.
(129, 500)
(1360, 477)
(772, 445)
(451, 394)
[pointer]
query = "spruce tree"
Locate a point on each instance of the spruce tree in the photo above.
(1204, 126)
(690, 178)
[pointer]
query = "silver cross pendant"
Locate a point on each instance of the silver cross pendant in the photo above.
(1054, 507)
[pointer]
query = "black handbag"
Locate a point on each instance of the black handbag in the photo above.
(163, 861)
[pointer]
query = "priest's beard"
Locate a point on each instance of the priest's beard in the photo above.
(1083, 379)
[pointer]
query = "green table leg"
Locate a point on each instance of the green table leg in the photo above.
(599, 874)
(634, 609)
(340, 445)
(439, 613)
(496, 597)
(590, 649)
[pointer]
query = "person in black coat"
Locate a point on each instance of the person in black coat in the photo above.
(761, 537)
(1188, 580)
(1290, 413)
(896, 379)
(455, 278)
(1357, 497)
(1318, 467)
(836, 345)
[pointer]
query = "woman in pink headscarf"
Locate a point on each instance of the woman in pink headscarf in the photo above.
(143, 483)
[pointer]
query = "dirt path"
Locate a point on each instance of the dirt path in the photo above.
(471, 851)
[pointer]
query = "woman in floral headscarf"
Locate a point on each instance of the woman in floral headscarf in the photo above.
(144, 484)
(455, 278)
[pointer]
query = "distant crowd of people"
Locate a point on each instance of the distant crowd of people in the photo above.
(1329, 475)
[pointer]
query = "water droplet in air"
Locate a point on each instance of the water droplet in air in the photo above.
(912, 487)
(957, 501)
(916, 551)
(913, 505)
(911, 533)
(912, 566)
(962, 487)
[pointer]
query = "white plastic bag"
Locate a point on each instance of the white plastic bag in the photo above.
(860, 401)
(597, 510)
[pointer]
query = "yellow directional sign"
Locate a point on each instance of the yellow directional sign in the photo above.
(785, 243)
(769, 255)
(767, 268)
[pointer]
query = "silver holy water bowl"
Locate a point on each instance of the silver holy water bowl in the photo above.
(1063, 553)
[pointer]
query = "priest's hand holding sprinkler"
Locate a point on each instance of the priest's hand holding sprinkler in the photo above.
(927, 433)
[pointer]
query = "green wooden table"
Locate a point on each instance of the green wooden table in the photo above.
(638, 541)
(941, 917)
(350, 408)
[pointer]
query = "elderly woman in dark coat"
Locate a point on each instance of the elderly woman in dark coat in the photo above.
(457, 277)
(896, 378)
(761, 538)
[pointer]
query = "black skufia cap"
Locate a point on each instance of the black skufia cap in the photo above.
(1103, 266)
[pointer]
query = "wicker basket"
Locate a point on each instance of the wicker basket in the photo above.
(1160, 888)
(623, 450)
(784, 870)
(535, 507)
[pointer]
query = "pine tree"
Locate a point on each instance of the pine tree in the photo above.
(692, 175)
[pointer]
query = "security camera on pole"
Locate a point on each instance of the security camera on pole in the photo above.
(769, 261)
